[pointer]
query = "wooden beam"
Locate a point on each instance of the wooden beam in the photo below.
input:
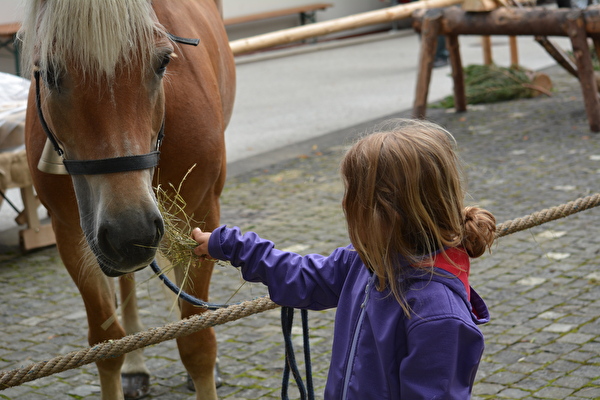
(558, 55)
(299, 33)
(506, 21)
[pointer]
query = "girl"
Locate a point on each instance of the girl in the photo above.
(406, 319)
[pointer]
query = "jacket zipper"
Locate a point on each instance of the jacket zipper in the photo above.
(354, 344)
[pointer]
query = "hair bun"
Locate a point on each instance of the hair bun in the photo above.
(469, 213)
(479, 230)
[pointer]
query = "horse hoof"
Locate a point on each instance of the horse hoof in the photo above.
(218, 379)
(135, 386)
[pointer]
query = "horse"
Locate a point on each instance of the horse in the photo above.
(115, 85)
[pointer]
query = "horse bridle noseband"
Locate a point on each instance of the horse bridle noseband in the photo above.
(104, 165)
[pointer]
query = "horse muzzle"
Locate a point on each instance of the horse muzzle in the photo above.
(122, 246)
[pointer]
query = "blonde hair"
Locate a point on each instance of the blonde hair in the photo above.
(403, 201)
(96, 35)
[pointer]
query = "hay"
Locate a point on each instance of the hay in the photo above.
(177, 245)
(492, 83)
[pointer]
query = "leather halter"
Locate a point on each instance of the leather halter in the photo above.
(100, 166)
(105, 165)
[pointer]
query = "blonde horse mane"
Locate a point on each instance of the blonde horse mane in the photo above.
(94, 35)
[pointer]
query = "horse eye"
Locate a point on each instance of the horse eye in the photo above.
(163, 64)
(51, 78)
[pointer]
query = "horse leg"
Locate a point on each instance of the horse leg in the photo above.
(98, 295)
(169, 271)
(135, 375)
(108, 370)
(198, 351)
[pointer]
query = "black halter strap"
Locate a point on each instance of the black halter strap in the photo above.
(112, 165)
(105, 165)
(38, 105)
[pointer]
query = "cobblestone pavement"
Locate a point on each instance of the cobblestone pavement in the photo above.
(542, 286)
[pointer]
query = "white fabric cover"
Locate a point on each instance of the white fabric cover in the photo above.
(14, 171)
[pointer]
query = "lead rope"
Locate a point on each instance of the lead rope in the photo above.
(308, 392)
(287, 318)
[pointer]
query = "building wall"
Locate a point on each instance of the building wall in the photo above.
(341, 8)
(10, 11)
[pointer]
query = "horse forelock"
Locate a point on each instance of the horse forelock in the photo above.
(95, 36)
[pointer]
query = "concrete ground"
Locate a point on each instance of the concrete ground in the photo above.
(542, 285)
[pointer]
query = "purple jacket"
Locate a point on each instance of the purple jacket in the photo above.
(378, 353)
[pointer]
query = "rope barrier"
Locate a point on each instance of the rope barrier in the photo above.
(116, 348)
(547, 215)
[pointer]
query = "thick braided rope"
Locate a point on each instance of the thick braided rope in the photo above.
(547, 215)
(116, 348)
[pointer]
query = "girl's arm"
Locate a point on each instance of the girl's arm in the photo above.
(312, 281)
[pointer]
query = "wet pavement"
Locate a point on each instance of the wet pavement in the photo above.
(542, 286)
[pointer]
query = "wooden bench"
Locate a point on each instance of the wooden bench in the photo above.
(8, 34)
(306, 13)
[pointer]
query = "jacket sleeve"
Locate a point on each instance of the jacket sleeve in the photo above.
(312, 281)
(442, 360)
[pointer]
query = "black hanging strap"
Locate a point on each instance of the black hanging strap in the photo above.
(306, 392)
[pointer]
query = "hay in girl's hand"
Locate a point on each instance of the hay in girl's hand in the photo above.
(177, 244)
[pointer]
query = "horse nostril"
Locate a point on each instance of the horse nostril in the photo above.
(160, 228)
(106, 245)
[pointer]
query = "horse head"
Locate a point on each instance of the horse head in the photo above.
(101, 100)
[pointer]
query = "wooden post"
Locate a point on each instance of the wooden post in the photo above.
(596, 41)
(575, 28)
(486, 46)
(460, 98)
(36, 235)
(514, 51)
(429, 37)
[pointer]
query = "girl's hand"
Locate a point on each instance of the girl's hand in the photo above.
(202, 239)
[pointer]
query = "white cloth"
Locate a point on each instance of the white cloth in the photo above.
(13, 102)
(14, 171)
